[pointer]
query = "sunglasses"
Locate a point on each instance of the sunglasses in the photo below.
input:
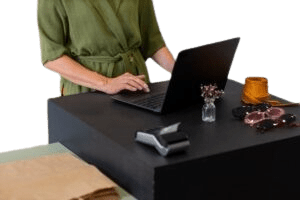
(241, 112)
(283, 121)
(265, 117)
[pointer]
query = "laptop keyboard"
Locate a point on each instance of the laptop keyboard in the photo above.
(152, 102)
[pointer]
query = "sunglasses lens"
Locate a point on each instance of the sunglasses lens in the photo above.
(241, 112)
(265, 125)
(254, 118)
(287, 118)
(275, 113)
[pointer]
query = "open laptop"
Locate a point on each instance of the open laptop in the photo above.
(208, 64)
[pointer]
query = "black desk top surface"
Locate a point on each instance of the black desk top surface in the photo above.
(119, 122)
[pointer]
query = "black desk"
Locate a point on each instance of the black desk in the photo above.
(226, 160)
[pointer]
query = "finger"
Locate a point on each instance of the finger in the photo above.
(139, 81)
(128, 74)
(128, 87)
(142, 77)
(146, 89)
(134, 84)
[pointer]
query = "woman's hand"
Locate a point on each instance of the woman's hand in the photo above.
(78, 74)
(125, 81)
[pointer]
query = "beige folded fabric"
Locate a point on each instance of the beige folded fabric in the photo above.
(54, 177)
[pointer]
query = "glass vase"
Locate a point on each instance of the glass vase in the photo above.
(209, 110)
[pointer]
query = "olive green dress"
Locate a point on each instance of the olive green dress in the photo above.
(108, 36)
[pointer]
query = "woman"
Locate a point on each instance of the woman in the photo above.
(101, 44)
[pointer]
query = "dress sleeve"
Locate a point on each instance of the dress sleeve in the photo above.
(53, 29)
(152, 39)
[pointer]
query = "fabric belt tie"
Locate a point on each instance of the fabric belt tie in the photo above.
(127, 57)
(255, 91)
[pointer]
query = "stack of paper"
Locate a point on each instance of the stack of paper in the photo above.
(60, 176)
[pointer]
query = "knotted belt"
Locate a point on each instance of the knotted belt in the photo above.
(255, 91)
(127, 58)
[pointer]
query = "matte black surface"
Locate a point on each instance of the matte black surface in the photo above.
(226, 159)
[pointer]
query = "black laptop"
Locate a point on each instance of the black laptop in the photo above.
(208, 64)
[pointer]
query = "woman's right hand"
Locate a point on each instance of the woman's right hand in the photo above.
(125, 81)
